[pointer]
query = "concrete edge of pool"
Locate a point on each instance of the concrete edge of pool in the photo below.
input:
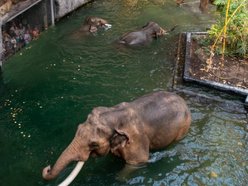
(181, 71)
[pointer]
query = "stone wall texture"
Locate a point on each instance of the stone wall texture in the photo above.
(63, 7)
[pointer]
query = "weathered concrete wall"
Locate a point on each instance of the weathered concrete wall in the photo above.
(63, 7)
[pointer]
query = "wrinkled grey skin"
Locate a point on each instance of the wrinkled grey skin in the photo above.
(143, 36)
(128, 130)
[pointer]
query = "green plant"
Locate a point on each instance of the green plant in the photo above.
(230, 33)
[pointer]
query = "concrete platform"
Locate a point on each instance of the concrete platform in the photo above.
(181, 72)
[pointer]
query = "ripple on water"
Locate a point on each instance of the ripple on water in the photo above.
(60, 79)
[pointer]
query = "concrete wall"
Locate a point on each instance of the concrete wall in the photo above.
(63, 7)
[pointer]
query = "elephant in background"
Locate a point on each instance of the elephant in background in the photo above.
(91, 25)
(143, 36)
(128, 130)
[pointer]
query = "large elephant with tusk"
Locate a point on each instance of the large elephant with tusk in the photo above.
(128, 130)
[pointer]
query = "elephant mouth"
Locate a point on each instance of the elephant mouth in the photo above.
(94, 154)
(102, 151)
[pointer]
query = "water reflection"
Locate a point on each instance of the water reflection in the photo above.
(49, 89)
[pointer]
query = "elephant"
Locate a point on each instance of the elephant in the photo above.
(143, 36)
(128, 130)
(92, 24)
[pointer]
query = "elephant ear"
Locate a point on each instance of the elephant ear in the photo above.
(130, 142)
(119, 139)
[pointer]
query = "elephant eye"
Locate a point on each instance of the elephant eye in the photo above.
(94, 145)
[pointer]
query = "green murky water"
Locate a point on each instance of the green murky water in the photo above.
(48, 89)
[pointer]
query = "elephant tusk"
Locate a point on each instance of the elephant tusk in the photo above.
(73, 174)
(107, 26)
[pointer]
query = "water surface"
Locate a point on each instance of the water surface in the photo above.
(50, 87)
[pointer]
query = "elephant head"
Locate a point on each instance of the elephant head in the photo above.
(153, 29)
(93, 138)
(94, 23)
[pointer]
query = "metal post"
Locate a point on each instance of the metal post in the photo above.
(52, 12)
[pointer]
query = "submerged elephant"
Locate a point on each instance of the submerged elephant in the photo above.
(128, 130)
(143, 36)
(92, 24)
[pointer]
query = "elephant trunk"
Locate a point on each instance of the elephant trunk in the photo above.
(70, 154)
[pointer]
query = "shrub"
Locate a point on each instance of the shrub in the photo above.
(233, 16)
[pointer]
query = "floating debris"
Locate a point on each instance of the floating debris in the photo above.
(213, 174)
(240, 144)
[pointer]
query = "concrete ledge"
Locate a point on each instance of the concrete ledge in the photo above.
(213, 84)
(63, 7)
(18, 9)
